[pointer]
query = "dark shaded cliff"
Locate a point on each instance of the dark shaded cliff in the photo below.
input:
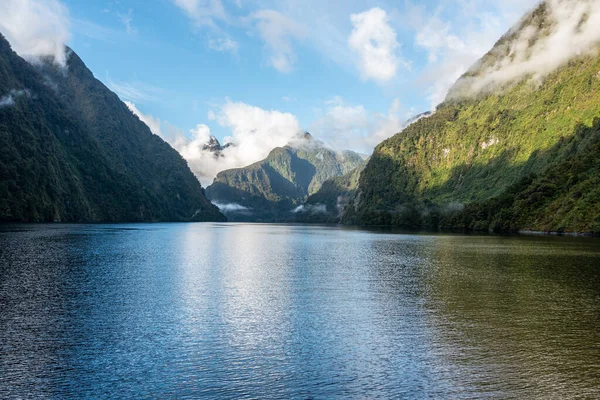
(71, 151)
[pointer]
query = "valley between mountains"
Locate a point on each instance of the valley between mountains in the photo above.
(505, 152)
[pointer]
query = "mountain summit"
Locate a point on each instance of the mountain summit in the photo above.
(272, 189)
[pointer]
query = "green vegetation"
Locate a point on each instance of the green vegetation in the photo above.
(334, 195)
(71, 151)
(272, 188)
(524, 158)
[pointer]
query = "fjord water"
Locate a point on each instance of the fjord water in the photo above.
(275, 311)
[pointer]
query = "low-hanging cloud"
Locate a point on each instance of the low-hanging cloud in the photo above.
(152, 122)
(456, 35)
(254, 132)
(534, 51)
(36, 28)
(312, 209)
(230, 208)
(10, 99)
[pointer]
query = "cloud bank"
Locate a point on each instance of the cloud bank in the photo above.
(345, 126)
(571, 29)
(455, 37)
(254, 133)
(36, 28)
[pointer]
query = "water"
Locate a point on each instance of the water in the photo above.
(267, 311)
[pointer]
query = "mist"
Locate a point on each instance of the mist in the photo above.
(310, 209)
(36, 28)
(254, 132)
(10, 99)
(535, 50)
(232, 208)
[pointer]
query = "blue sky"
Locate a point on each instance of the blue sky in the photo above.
(252, 71)
(163, 52)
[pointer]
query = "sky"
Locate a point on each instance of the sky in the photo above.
(255, 72)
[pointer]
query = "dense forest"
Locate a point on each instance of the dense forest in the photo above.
(71, 151)
(275, 189)
(526, 157)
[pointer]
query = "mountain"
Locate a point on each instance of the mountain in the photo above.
(329, 202)
(502, 155)
(71, 151)
(272, 189)
(214, 146)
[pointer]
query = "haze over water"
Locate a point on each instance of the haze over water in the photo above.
(276, 311)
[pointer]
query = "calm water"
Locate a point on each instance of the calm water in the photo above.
(257, 311)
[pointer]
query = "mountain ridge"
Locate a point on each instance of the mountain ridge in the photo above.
(269, 190)
(521, 157)
(73, 152)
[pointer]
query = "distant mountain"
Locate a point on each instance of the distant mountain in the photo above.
(71, 151)
(271, 190)
(503, 152)
(214, 146)
(329, 202)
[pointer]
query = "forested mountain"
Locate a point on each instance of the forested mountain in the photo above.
(272, 190)
(329, 202)
(71, 151)
(524, 155)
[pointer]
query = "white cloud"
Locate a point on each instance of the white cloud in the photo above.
(310, 209)
(278, 32)
(203, 12)
(280, 25)
(256, 129)
(254, 133)
(352, 127)
(455, 37)
(374, 40)
(36, 28)
(211, 14)
(152, 122)
(573, 30)
(231, 207)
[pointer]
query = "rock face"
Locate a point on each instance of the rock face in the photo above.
(524, 155)
(214, 146)
(272, 190)
(327, 205)
(71, 151)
